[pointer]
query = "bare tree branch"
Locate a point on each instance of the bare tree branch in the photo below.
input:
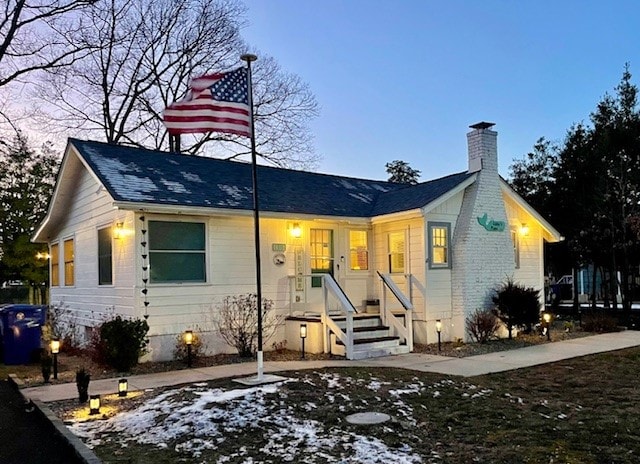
(143, 55)
(37, 36)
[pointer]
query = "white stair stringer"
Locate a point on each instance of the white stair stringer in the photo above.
(372, 339)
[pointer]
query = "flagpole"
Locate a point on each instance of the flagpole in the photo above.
(256, 214)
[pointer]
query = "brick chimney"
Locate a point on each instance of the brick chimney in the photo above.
(483, 147)
(481, 258)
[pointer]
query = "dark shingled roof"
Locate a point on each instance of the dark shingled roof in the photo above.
(155, 177)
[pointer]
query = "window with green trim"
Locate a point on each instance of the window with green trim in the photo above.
(439, 245)
(321, 254)
(177, 252)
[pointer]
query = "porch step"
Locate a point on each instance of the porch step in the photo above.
(372, 348)
(370, 321)
(372, 332)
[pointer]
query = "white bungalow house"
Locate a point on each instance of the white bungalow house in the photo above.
(168, 236)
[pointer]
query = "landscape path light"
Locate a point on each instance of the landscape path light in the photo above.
(55, 349)
(188, 340)
(123, 387)
(439, 330)
(303, 335)
(547, 323)
(94, 404)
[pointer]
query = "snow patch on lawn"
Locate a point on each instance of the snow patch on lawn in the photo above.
(197, 418)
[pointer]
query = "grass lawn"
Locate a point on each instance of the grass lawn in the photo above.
(584, 410)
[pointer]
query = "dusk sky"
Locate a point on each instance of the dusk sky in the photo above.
(404, 79)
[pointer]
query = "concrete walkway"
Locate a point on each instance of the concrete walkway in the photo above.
(466, 367)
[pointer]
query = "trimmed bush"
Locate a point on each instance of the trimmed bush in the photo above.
(599, 321)
(517, 305)
(121, 342)
(482, 325)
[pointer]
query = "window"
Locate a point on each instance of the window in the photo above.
(439, 239)
(69, 277)
(358, 250)
(55, 265)
(396, 252)
(177, 252)
(321, 245)
(516, 247)
(105, 266)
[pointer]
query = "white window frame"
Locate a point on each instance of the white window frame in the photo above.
(109, 229)
(515, 237)
(391, 254)
(351, 250)
(204, 251)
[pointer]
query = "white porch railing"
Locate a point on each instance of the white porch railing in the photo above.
(342, 307)
(404, 330)
(331, 287)
(413, 282)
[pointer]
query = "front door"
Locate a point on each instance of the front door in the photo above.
(320, 254)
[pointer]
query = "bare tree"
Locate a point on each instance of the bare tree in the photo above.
(144, 54)
(37, 36)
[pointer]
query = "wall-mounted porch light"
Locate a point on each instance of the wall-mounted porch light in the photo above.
(296, 230)
(118, 230)
(303, 335)
(524, 230)
(94, 404)
(439, 330)
(42, 255)
(188, 340)
(123, 387)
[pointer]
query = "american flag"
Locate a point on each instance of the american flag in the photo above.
(215, 103)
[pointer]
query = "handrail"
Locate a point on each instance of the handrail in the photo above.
(405, 331)
(419, 285)
(346, 336)
(337, 292)
(404, 301)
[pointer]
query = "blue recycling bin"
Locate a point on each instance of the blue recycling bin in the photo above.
(21, 332)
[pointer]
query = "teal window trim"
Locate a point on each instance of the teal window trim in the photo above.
(430, 243)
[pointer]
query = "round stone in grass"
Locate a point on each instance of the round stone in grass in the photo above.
(368, 418)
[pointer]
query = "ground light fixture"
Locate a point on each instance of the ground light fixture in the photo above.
(188, 340)
(123, 387)
(547, 322)
(55, 349)
(94, 404)
(303, 335)
(439, 330)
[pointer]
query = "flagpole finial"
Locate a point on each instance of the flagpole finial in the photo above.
(248, 57)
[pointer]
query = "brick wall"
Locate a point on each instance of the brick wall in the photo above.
(482, 259)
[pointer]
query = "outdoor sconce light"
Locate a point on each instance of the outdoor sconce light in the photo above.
(118, 231)
(188, 340)
(40, 255)
(524, 230)
(55, 349)
(303, 335)
(439, 330)
(94, 404)
(123, 387)
(296, 230)
(547, 322)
